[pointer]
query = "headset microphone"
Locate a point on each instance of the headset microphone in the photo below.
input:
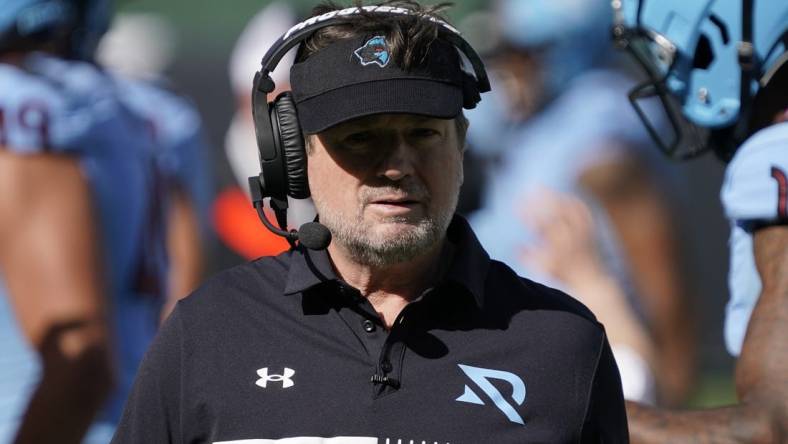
(312, 235)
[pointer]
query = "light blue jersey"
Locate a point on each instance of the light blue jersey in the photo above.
(177, 127)
(51, 105)
(590, 123)
(755, 192)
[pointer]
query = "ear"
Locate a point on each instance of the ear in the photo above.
(464, 136)
(462, 164)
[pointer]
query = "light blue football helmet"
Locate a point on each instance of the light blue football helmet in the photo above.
(571, 35)
(83, 22)
(22, 19)
(706, 60)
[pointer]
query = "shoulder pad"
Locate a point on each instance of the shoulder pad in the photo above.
(755, 189)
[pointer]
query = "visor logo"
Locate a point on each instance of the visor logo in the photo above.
(376, 51)
(481, 377)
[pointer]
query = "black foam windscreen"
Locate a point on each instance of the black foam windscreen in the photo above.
(314, 236)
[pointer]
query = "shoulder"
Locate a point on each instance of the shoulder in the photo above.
(534, 315)
(80, 83)
(251, 284)
(49, 104)
(507, 291)
(173, 117)
(17, 82)
(223, 311)
(28, 104)
(755, 179)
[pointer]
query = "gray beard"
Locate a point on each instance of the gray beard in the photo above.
(374, 250)
(378, 252)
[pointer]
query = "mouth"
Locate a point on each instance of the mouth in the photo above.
(395, 201)
(394, 205)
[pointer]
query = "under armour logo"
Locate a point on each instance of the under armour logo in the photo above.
(285, 378)
(481, 377)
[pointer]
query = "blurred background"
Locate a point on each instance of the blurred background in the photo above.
(191, 43)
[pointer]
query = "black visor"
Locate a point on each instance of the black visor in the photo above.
(357, 77)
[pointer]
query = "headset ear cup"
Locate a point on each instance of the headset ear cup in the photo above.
(293, 148)
(470, 91)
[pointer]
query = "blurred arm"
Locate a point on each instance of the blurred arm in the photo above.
(184, 245)
(761, 372)
(568, 252)
(50, 261)
(644, 227)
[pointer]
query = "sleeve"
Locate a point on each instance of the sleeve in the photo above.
(54, 106)
(755, 188)
(28, 116)
(152, 412)
(606, 418)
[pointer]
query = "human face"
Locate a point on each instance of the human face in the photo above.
(520, 76)
(386, 185)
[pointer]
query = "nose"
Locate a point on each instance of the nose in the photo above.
(399, 160)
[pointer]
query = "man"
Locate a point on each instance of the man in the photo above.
(726, 72)
(80, 265)
(404, 329)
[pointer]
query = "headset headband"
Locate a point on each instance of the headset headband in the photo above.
(301, 31)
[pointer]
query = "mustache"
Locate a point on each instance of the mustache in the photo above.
(410, 189)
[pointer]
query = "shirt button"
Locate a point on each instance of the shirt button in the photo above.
(369, 326)
(386, 366)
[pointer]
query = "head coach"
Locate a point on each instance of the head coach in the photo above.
(402, 329)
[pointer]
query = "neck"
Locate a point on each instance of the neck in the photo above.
(388, 288)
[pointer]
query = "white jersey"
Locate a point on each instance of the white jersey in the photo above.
(754, 193)
(48, 105)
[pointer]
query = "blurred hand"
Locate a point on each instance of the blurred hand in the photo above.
(566, 248)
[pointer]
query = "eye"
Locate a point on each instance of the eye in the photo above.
(357, 139)
(424, 133)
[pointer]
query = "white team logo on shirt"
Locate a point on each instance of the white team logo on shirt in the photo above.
(482, 377)
(286, 378)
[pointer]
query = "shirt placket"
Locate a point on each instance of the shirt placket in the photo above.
(385, 350)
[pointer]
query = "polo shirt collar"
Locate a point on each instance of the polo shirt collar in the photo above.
(469, 264)
(308, 268)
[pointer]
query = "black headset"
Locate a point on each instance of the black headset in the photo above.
(280, 141)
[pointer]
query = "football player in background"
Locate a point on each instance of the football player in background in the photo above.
(719, 71)
(557, 119)
(82, 260)
(136, 51)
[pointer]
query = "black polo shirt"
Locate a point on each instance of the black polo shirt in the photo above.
(281, 348)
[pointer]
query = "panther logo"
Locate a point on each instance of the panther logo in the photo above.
(376, 51)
